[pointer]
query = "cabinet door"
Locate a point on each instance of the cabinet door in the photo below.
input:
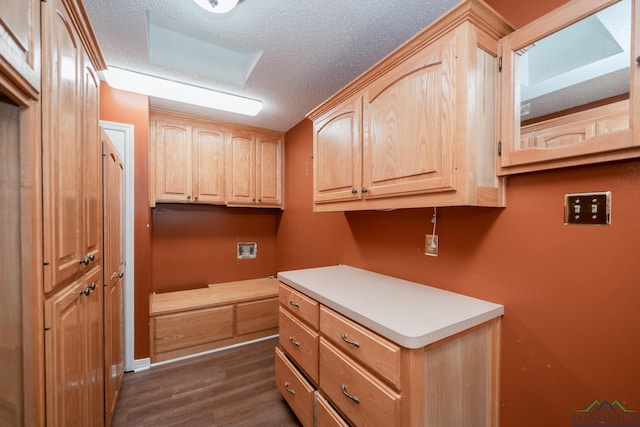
(409, 125)
(20, 48)
(337, 154)
(113, 268)
(582, 109)
(62, 152)
(173, 162)
(92, 190)
(241, 178)
(269, 170)
(94, 347)
(65, 341)
(208, 165)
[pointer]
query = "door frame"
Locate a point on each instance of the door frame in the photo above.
(121, 134)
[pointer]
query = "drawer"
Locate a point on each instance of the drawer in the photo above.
(298, 393)
(379, 354)
(326, 416)
(301, 305)
(190, 328)
(362, 398)
(300, 343)
(256, 316)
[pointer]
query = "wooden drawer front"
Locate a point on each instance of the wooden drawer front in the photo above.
(379, 354)
(326, 416)
(256, 316)
(298, 393)
(376, 405)
(300, 343)
(301, 305)
(180, 330)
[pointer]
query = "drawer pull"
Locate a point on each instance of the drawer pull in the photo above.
(292, 341)
(286, 387)
(293, 303)
(345, 339)
(344, 391)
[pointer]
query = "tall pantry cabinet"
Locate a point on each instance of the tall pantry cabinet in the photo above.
(72, 217)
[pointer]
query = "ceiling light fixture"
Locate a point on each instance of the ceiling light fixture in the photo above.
(217, 6)
(161, 88)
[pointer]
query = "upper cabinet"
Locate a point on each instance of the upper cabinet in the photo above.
(417, 129)
(569, 87)
(71, 149)
(255, 164)
(194, 160)
(20, 49)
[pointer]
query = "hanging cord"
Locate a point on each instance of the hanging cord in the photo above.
(434, 220)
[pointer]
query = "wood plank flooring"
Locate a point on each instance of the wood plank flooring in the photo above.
(234, 387)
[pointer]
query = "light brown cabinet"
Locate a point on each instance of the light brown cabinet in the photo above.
(113, 193)
(71, 164)
(417, 129)
(73, 347)
(72, 217)
(188, 156)
(362, 378)
(583, 110)
(20, 49)
(194, 160)
(255, 165)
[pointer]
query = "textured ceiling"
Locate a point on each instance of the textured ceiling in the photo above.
(311, 48)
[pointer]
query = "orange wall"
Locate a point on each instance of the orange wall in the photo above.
(571, 293)
(130, 108)
(196, 245)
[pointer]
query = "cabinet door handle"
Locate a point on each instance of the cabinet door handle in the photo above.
(286, 387)
(348, 341)
(120, 275)
(86, 291)
(84, 261)
(196, 197)
(292, 341)
(364, 190)
(92, 286)
(293, 303)
(354, 191)
(92, 257)
(344, 391)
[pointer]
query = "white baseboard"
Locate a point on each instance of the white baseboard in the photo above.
(141, 364)
(215, 350)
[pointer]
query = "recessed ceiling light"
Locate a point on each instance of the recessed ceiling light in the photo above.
(161, 88)
(217, 6)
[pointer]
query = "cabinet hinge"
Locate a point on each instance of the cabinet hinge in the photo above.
(47, 329)
(45, 264)
(499, 148)
(500, 64)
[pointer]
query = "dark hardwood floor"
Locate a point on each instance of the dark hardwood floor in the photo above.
(232, 387)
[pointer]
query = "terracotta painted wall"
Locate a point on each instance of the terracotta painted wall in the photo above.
(571, 293)
(196, 245)
(126, 107)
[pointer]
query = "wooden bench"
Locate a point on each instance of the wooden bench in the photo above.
(197, 320)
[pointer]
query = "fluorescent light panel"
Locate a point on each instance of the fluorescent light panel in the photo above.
(167, 89)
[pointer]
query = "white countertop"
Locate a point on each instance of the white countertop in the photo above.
(408, 313)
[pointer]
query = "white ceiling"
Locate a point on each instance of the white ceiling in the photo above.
(310, 48)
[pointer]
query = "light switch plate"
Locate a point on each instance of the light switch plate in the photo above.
(588, 208)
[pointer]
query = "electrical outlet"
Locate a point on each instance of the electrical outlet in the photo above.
(431, 245)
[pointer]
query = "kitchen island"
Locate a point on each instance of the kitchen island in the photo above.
(380, 349)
